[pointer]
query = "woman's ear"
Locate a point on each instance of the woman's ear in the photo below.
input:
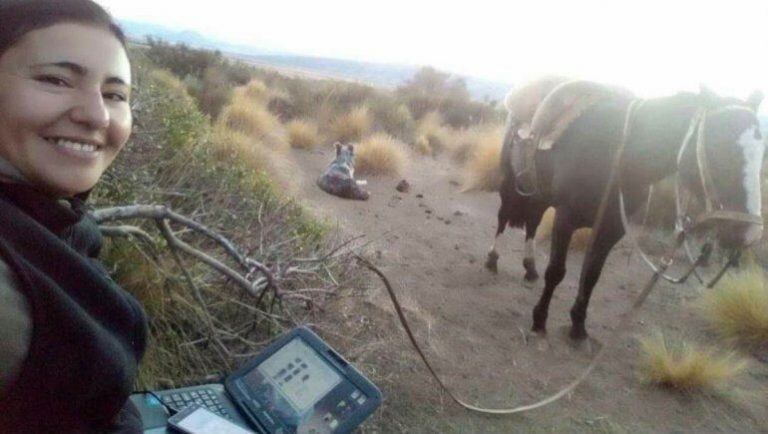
(338, 148)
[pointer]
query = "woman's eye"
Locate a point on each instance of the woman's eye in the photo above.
(115, 96)
(52, 79)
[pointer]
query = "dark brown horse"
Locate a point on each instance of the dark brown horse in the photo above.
(573, 174)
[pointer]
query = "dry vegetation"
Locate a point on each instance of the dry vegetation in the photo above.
(481, 149)
(685, 366)
(351, 126)
(737, 308)
(201, 323)
(433, 135)
(303, 134)
(579, 240)
(380, 154)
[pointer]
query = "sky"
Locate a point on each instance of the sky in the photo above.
(652, 47)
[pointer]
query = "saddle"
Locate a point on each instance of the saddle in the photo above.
(553, 114)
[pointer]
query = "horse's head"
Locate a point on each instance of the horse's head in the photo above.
(724, 168)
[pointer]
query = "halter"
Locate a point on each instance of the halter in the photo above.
(714, 208)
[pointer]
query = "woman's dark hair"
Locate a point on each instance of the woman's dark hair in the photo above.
(19, 17)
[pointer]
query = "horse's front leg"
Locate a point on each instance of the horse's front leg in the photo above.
(590, 273)
(561, 238)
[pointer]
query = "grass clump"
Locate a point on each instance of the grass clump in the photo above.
(579, 239)
(255, 91)
(303, 133)
(737, 308)
(351, 126)
(249, 118)
(437, 135)
(684, 366)
(482, 170)
(422, 146)
(380, 154)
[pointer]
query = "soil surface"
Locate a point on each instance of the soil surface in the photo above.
(432, 242)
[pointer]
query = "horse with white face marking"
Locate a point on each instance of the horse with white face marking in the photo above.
(573, 174)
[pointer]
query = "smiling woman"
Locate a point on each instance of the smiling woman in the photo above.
(64, 111)
(70, 338)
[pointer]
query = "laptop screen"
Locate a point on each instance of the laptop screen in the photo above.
(298, 373)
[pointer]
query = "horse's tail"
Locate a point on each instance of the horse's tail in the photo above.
(513, 204)
(506, 146)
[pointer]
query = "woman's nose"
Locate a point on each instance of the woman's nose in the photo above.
(90, 110)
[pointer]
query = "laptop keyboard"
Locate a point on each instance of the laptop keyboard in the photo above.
(204, 397)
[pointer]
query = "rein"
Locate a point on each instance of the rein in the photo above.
(713, 206)
(626, 318)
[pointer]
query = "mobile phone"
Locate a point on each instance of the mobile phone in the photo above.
(196, 419)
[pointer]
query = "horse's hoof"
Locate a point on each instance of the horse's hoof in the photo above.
(539, 340)
(583, 343)
(492, 263)
(577, 334)
(531, 276)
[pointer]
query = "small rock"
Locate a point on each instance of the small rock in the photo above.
(439, 218)
(378, 254)
(420, 196)
(454, 183)
(428, 211)
(403, 186)
(422, 205)
(456, 247)
(447, 221)
(458, 213)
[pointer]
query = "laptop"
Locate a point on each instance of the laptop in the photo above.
(298, 384)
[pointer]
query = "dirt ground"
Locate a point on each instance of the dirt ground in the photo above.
(431, 242)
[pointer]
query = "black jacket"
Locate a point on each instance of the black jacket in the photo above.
(88, 335)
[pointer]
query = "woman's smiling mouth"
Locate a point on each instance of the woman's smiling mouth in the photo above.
(75, 147)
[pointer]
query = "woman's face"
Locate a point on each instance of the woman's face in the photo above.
(64, 106)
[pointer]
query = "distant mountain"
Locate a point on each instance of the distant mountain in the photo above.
(139, 32)
(381, 74)
(377, 74)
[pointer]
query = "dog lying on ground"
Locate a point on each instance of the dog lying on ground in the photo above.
(339, 177)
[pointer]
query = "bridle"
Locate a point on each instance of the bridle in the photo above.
(714, 207)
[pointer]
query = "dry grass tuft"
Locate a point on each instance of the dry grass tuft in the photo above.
(422, 146)
(579, 240)
(249, 118)
(737, 308)
(351, 126)
(438, 136)
(167, 80)
(380, 154)
(470, 141)
(684, 366)
(235, 146)
(255, 91)
(303, 133)
(482, 168)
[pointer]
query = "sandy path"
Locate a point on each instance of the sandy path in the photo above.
(474, 323)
